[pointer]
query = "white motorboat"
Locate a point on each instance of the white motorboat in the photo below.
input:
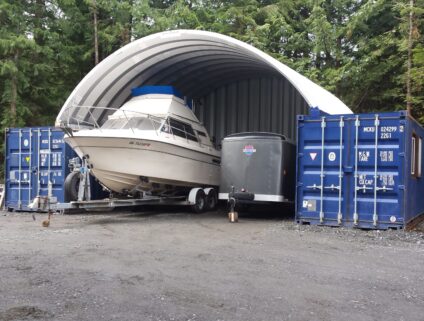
(153, 143)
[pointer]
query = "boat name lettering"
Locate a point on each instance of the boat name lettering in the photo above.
(139, 143)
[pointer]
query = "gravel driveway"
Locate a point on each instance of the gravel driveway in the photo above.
(164, 264)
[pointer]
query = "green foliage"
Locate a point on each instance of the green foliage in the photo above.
(355, 48)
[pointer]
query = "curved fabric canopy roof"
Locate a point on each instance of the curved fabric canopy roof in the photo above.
(195, 62)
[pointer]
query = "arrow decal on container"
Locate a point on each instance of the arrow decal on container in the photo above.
(313, 155)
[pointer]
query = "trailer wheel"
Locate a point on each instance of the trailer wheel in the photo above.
(211, 199)
(199, 201)
(71, 186)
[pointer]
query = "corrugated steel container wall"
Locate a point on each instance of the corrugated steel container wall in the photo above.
(33, 156)
(265, 104)
(359, 170)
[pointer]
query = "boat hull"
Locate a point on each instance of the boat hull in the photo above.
(128, 164)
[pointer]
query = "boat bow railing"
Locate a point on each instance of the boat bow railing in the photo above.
(74, 119)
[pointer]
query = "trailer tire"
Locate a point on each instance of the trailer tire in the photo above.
(199, 201)
(211, 199)
(72, 186)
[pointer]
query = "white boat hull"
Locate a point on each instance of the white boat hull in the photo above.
(127, 164)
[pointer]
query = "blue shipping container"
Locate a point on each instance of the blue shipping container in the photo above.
(359, 170)
(33, 157)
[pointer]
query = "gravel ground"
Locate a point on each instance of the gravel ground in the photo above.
(171, 265)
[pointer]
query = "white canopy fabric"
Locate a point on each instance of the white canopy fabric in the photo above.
(195, 62)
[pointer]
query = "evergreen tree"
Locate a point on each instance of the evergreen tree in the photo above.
(370, 53)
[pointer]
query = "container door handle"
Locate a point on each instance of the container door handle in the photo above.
(333, 187)
(315, 186)
(384, 189)
(363, 188)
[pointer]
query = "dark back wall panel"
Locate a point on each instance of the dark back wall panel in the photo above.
(264, 104)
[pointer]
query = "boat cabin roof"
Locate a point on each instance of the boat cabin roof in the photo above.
(160, 105)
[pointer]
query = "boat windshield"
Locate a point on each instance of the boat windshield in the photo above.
(142, 123)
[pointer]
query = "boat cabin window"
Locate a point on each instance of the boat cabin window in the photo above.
(204, 138)
(181, 129)
(116, 123)
(142, 123)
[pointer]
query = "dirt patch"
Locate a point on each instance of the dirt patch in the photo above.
(24, 313)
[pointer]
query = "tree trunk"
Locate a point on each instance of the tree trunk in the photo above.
(14, 92)
(39, 13)
(128, 26)
(409, 64)
(96, 36)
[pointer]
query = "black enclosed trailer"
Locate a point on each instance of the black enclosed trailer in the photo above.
(258, 168)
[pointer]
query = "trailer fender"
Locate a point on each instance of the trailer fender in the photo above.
(207, 190)
(192, 195)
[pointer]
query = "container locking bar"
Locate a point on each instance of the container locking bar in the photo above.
(20, 171)
(38, 162)
(30, 168)
(322, 175)
(339, 214)
(375, 216)
(356, 176)
(49, 182)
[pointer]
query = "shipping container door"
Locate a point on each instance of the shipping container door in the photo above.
(321, 185)
(59, 165)
(378, 167)
(35, 157)
(18, 168)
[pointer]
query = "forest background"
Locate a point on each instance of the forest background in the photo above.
(369, 53)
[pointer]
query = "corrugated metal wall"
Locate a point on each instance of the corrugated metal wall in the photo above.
(265, 104)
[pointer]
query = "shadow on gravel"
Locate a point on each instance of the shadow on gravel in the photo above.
(279, 212)
(158, 212)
